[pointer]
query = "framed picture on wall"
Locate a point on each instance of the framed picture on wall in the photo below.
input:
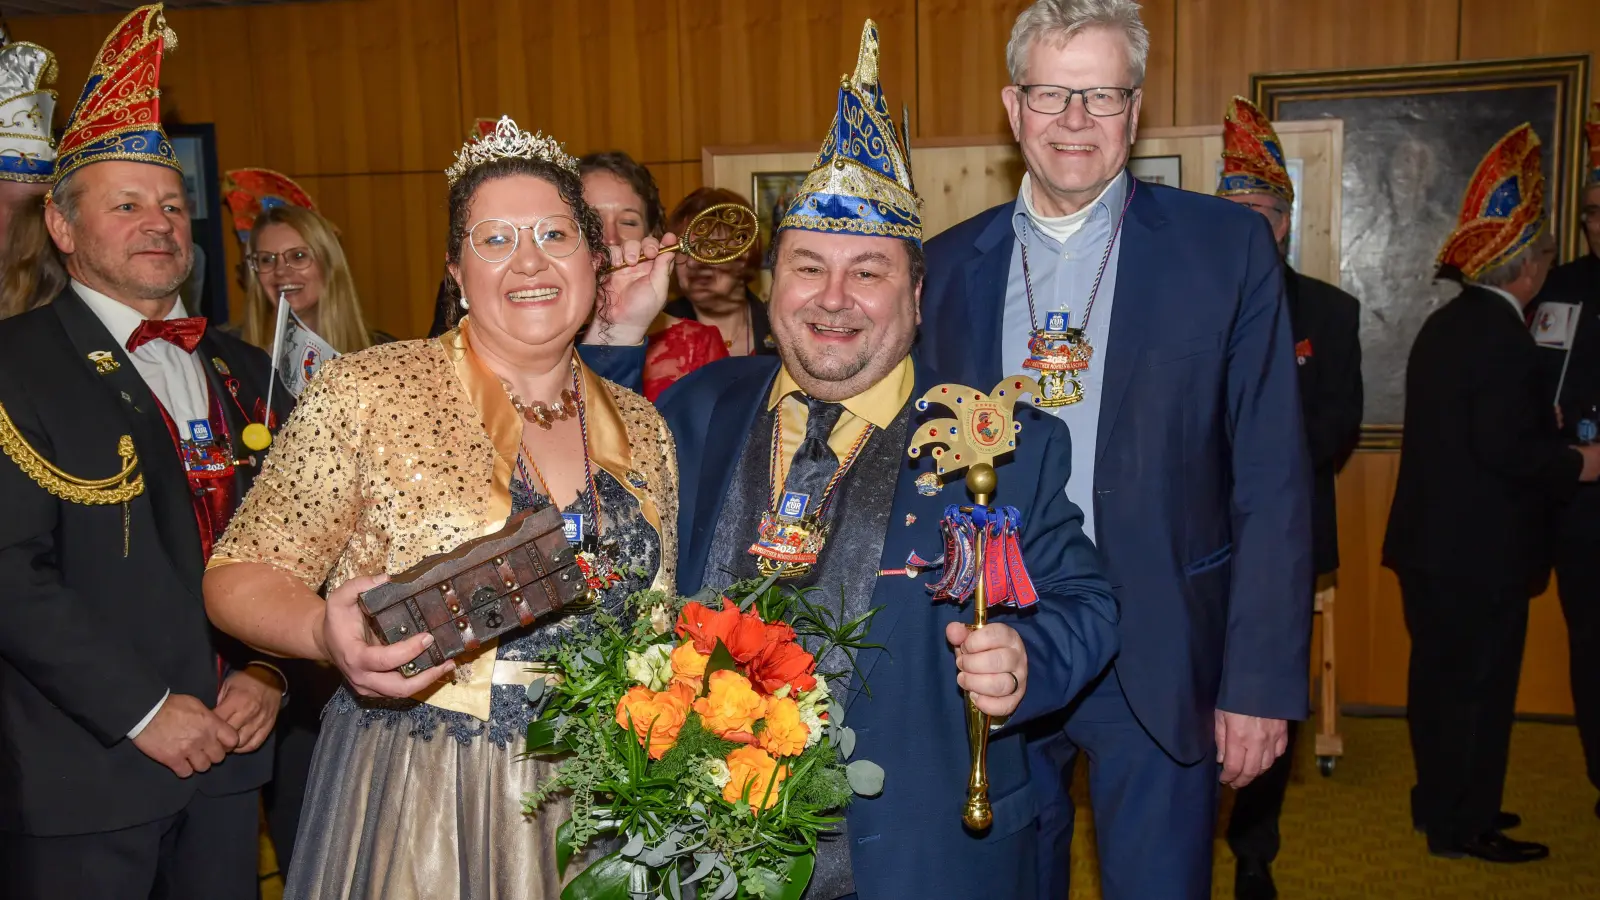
(206, 291)
(1167, 170)
(1412, 137)
(772, 192)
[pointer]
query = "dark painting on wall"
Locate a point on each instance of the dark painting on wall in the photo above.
(1413, 136)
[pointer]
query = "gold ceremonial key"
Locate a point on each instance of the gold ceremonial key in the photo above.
(719, 234)
(985, 428)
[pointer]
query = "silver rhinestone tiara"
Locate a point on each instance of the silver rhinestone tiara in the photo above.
(507, 141)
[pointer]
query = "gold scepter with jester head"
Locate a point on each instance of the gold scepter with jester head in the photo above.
(983, 550)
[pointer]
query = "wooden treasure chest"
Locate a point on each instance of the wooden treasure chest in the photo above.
(480, 590)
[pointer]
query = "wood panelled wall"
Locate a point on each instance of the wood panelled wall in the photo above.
(367, 99)
(364, 101)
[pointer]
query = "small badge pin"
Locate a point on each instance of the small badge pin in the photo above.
(928, 484)
(911, 518)
(637, 480)
(221, 367)
(104, 362)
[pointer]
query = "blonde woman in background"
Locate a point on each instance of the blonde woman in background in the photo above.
(296, 252)
(31, 272)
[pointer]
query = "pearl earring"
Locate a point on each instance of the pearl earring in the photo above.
(463, 301)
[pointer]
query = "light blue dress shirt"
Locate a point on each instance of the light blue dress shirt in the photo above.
(1063, 276)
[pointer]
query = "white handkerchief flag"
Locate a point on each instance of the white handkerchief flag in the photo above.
(1555, 326)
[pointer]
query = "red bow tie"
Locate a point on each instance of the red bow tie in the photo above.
(183, 333)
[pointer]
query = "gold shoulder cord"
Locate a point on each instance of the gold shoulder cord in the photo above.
(119, 488)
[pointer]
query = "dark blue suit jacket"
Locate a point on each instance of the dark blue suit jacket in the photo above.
(1202, 484)
(909, 841)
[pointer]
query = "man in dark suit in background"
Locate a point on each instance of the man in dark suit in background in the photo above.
(1481, 474)
(1325, 322)
(131, 737)
(1188, 455)
(1566, 322)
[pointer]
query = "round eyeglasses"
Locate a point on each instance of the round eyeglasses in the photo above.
(495, 240)
(1053, 99)
(296, 258)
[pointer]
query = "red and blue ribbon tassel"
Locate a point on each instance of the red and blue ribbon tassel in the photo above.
(1003, 571)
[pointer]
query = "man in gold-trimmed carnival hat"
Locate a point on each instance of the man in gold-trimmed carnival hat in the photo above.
(1325, 323)
(835, 410)
(27, 151)
(1566, 326)
(1483, 471)
(131, 757)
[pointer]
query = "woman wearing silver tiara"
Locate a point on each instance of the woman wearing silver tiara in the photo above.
(405, 451)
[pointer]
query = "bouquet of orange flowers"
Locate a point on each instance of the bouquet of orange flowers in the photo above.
(703, 737)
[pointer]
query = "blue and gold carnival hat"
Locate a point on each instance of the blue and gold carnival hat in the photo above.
(861, 181)
(27, 153)
(118, 117)
(1502, 211)
(1252, 155)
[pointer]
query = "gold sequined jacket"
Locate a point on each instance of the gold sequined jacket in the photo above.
(406, 450)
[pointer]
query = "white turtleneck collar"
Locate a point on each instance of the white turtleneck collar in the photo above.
(1059, 228)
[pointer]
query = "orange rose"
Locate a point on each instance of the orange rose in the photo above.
(730, 707)
(706, 626)
(689, 666)
(656, 715)
(752, 767)
(782, 664)
(784, 734)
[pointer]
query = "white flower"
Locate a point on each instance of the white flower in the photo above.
(815, 700)
(813, 723)
(716, 771)
(652, 668)
(659, 623)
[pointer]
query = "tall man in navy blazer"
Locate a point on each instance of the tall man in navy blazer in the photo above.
(1189, 458)
(825, 426)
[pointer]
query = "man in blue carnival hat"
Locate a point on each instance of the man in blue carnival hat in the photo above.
(835, 413)
(132, 736)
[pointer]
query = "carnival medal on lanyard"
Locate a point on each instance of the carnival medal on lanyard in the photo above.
(256, 435)
(982, 543)
(1059, 352)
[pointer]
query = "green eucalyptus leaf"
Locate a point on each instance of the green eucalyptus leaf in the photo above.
(536, 689)
(847, 742)
(706, 862)
(866, 777)
(607, 879)
(634, 846)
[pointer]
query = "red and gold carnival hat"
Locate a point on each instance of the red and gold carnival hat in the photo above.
(1592, 130)
(118, 117)
(251, 192)
(1503, 210)
(1252, 155)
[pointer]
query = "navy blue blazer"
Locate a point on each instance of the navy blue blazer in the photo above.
(909, 841)
(1202, 483)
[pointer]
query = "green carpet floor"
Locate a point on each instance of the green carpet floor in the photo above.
(1349, 836)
